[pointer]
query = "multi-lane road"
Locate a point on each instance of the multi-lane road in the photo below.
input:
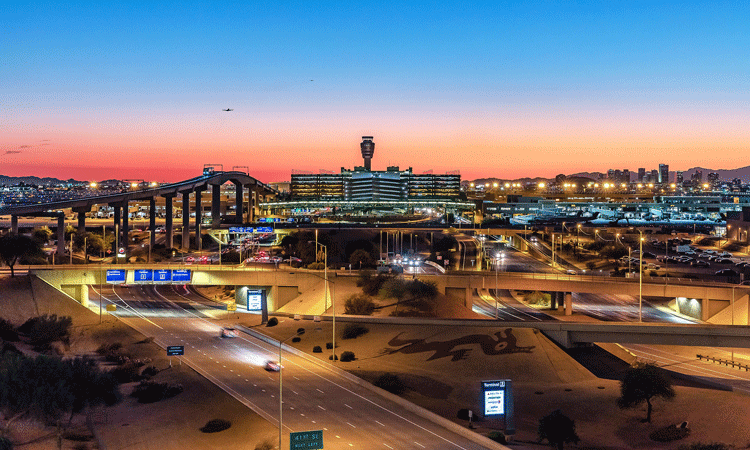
(314, 396)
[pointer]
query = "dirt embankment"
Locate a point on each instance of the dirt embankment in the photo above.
(165, 425)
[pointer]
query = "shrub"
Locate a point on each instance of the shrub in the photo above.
(316, 266)
(498, 437)
(7, 331)
(360, 305)
(46, 329)
(700, 446)
(333, 357)
(317, 349)
(329, 346)
(130, 371)
(353, 331)
(216, 425)
(272, 322)
(5, 443)
(296, 339)
(151, 391)
(391, 383)
(149, 372)
(669, 434)
(347, 356)
(265, 445)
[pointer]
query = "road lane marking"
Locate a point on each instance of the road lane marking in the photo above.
(419, 444)
(348, 406)
(319, 391)
(388, 446)
(350, 425)
(321, 407)
(295, 392)
(379, 423)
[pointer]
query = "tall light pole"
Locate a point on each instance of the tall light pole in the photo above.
(553, 250)
(281, 382)
(497, 266)
(333, 300)
(640, 278)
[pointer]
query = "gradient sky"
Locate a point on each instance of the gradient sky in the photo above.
(135, 90)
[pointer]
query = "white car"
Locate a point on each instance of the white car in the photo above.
(229, 332)
(273, 366)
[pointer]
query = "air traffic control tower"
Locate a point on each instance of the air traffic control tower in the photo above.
(368, 150)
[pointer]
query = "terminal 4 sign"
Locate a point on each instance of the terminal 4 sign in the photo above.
(497, 399)
(143, 276)
(307, 440)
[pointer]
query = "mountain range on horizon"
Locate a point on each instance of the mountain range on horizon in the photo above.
(743, 173)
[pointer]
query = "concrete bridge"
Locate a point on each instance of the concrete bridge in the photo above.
(257, 192)
(716, 301)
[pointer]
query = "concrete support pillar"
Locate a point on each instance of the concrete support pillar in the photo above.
(215, 206)
(568, 303)
(125, 228)
(198, 214)
(14, 224)
(239, 203)
(468, 299)
(186, 220)
(81, 219)
(553, 300)
(169, 226)
(61, 235)
(152, 221)
(253, 202)
(117, 224)
(705, 309)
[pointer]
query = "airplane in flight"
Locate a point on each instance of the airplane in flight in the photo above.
(228, 109)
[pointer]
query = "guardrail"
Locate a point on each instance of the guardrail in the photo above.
(726, 362)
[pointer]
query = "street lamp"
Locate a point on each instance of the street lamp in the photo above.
(333, 300)
(578, 233)
(300, 331)
(640, 278)
(149, 245)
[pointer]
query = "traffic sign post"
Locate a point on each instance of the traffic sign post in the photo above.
(306, 440)
(497, 399)
(175, 350)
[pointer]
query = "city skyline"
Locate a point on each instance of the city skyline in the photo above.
(137, 91)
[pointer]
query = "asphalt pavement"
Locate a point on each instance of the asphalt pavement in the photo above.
(315, 398)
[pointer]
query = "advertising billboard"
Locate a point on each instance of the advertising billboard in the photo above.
(181, 276)
(143, 276)
(116, 276)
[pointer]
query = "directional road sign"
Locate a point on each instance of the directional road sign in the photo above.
(306, 440)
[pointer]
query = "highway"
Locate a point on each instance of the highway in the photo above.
(314, 397)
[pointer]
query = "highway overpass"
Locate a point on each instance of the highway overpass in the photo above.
(279, 287)
(257, 192)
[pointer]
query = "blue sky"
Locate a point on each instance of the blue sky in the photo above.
(73, 72)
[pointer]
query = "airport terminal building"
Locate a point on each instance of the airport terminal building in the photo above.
(363, 188)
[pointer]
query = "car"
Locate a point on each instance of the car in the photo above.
(742, 264)
(272, 366)
(648, 255)
(700, 264)
(204, 259)
(726, 273)
(189, 260)
(652, 266)
(229, 332)
(726, 254)
(723, 261)
(571, 272)
(710, 252)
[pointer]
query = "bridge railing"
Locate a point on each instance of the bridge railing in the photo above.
(726, 362)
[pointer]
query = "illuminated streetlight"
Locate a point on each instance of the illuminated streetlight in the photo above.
(93, 185)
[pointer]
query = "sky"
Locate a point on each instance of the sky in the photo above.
(135, 90)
